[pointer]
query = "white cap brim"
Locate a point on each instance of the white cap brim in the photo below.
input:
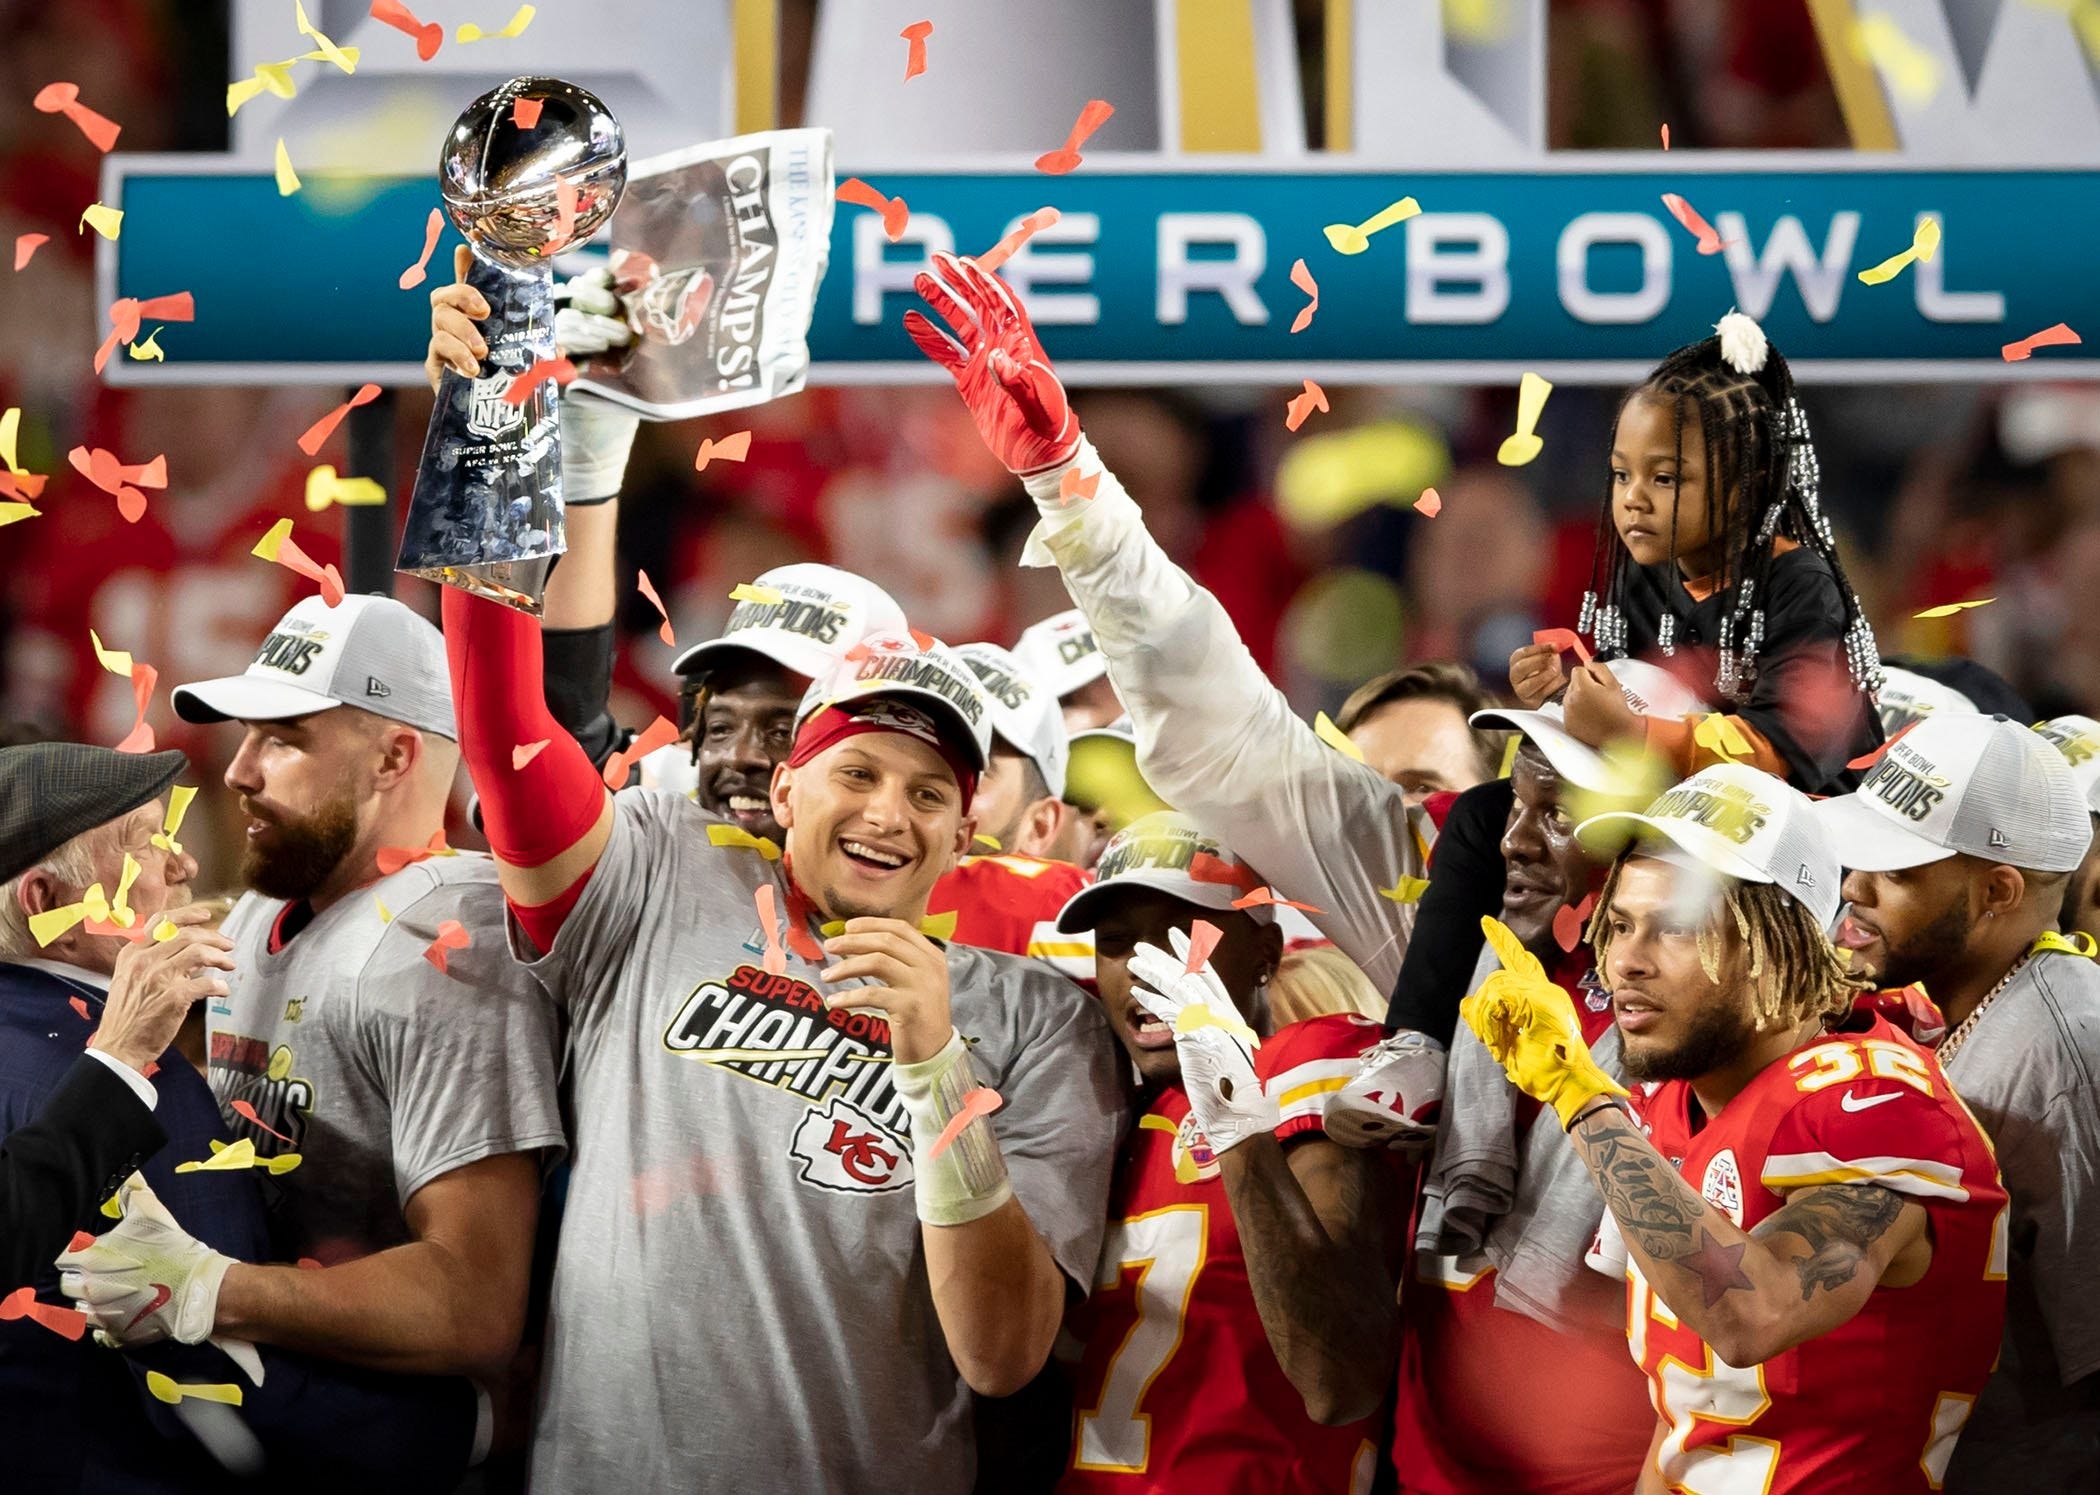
(1872, 840)
(1577, 762)
(793, 653)
(1709, 848)
(245, 698)
(956, 728)
(1083, 910)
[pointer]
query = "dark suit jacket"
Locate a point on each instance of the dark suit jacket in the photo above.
(75, 1416)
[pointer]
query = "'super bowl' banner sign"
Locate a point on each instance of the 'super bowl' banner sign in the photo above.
(1180, 276)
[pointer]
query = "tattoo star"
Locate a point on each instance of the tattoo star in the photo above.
(1718, 1267)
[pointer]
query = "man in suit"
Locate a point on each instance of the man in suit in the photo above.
(81, 965)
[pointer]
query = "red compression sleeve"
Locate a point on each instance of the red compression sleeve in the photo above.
(535, 813)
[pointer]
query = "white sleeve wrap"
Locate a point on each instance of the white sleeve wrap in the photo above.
(968, 1180)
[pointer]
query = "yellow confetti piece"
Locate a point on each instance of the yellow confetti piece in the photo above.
(1406, 890)
(386, 915)
(116, 661)
(267, 547)
(13, 513)
(148, 351)
(1199, 1015)
(118, 907)
(164, 931)
(1184, 1166)
(737, 836)
(744, 591)
(10, 429)
(1355, 238)
(287, 179)
(991, 841)
(1719, 735)
(514, 27)
(240, 1155)
(178, 806)
(111, 1208)
(1923, 246)
(323, 488)
(171, 1391)
(1325, 729)
(273, 77)
(1911, 72)
(1525, 444)
(104, 220)
(343, 57)
(1949, 609)
(939, 926)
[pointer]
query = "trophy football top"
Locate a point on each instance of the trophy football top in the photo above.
(504, 186)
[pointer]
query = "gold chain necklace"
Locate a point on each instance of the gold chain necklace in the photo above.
(1967, 1025)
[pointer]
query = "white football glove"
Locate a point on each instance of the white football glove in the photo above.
(588, 317)
(1395, 1095)
(1215, 1045)
(147, 1279)
(596, 435)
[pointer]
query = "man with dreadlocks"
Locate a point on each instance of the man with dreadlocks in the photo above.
(1712, 541)
(1811, 1223)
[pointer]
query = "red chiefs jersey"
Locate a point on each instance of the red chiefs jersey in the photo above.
(1011, 903)
(1875, 1404)
(1178, 1389)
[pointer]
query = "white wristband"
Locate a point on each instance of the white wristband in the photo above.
(968, 1180)
(596, 437)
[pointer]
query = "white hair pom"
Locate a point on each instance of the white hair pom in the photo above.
(1743, 345)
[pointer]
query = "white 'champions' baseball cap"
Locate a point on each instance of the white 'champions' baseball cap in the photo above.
(923, 678)
(1024, 713)
(1166, 852)
(803, 617)
(366, 651)
(1061, 653)
(1649, 689)
(1979, 785)
(1745, 824)
(1907, 696)
(2078, 739)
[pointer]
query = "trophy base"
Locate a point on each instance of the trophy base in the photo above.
(518, 584)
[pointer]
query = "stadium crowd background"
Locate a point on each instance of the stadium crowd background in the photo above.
(1939, 492)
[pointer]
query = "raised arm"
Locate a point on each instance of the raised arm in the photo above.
(1215, 739)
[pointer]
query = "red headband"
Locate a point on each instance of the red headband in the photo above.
(832, 725)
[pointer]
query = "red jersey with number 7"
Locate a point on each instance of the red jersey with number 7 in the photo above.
(1178, 1390)
(1877, 1403)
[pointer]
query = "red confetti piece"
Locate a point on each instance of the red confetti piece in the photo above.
(524, 753)
(1302, 278)
(115, 478)
(894, 213)
(414, 275)
(525, 113)
(664, 629)
(1666, 137)
(80, 1242)
(393, 13)
(393, 858)
(1025, 230)
(1067, 157)
(1204, 867)
(2049, 337)
(1563, 639)
(152, 1068)
(1868, 760)
(1686, 214)
(915, 55)
(244, 1109)
(733, 448)
(1301, 405)
(279, 546)
(564, 206)
(80, 1007)
(70, 1323)
(979, 1102)
(1430, 504)
(658, 733)
(560, 370)
(308, 1264)
(140, 738)
(135, 932)
(26, 245)
(25, 486)
(775, 961)
(1568, 921)
(316, 435)
(451, 935)
(125, 315)
(64, 98)
(1203, 938)
(1073, 488)
(1266, 898)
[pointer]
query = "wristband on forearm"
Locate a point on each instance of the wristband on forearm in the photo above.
(968, 1180)
(596, 437)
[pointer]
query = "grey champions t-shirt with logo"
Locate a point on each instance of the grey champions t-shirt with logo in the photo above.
(740, 1298)
(2031, 1073)
(383, 1072)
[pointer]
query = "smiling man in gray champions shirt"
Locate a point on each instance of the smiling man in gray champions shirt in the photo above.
(1961, 842)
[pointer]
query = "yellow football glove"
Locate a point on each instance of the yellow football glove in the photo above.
(1529, 1025)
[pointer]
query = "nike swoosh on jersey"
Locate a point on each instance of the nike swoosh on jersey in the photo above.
(1852, 1103)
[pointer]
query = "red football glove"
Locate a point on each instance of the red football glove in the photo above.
(998, 364)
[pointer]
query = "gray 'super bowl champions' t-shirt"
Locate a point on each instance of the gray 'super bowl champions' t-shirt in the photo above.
(383, 1072)
(740, 1298)
(2031, 1073)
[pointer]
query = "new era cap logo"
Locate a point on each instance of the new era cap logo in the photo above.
(1998, 837)
(1804, 878)
(374, 686)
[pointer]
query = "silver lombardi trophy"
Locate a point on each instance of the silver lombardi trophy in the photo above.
(486, 514)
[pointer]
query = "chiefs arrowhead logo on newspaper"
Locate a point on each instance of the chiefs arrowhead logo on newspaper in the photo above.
(840, 1148)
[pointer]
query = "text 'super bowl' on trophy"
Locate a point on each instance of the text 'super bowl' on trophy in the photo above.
(486, 514)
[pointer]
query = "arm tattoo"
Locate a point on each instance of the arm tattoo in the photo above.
(1655, 1207)
(1840, 1224)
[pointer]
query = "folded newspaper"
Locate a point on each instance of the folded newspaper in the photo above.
(717, 253)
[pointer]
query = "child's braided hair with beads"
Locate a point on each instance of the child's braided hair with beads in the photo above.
(1762, 481)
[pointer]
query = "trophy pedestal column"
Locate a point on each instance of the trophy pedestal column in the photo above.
(486, 514)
